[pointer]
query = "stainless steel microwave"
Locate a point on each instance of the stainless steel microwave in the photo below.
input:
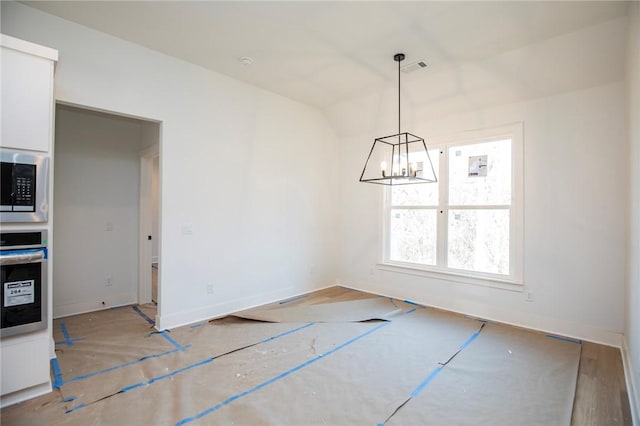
(24, 182)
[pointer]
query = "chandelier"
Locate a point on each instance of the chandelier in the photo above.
(398, 159)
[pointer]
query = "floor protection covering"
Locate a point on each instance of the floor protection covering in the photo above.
(349, 311)
(419, 366)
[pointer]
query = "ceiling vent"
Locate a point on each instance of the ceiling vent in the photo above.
(413, 67)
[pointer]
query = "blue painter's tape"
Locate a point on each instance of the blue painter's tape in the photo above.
(143, 315)
(170, 340)
(268, 339)
(146, 357)
(26, 251)
(410, 311)
(473, 337)
(72, 409)
(166, 376)
(439, 368)
(203, 362)
(57, 374)
(293, 299)
(565, 339)
(426, 381)
(411, 303)
(69, 399)
(197, 325)
(126, 364)
(73, 339)
(67, 337)
(280, 376)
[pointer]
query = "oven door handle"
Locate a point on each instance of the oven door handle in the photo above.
(16, 257)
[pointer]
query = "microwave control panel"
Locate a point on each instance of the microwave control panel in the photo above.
(18, 187)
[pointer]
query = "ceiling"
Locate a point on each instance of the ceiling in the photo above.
(325, 53)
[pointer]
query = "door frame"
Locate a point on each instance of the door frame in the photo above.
(147, 157)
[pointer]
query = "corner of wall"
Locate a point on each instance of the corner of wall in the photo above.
(631, 339)
(632, 386)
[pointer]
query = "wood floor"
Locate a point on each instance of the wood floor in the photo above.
(601, 392)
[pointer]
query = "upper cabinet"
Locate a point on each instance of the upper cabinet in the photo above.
(27, 94)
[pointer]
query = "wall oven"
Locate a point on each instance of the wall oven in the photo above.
(23, 280)
(24, 194)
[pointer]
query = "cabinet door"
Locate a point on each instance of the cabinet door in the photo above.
(27, 93)
(24, 363)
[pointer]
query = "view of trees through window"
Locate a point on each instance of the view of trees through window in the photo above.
(466, 215)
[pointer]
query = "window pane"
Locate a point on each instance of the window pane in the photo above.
(480, 174)
(413, 236)
(479, 240)
(422, 194)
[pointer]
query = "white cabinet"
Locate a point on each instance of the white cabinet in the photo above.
(26, 123)
(27, 94)
(25, 363)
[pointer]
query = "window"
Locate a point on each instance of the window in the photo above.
(469, 223)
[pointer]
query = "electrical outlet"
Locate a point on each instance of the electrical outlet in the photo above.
(529, 296)
(209, 288)
(108, 280)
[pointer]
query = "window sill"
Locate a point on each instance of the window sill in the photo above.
(458, 277)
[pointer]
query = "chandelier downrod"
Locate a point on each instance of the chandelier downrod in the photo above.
(398, 57)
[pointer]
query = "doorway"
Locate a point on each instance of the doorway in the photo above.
(97, 223)
(149, 255)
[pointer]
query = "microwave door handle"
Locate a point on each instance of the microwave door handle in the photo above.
(18, 258)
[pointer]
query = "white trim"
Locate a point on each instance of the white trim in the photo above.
(451, 275)
(151, 151)
(145, 212)
(28, 47)
(575, 330)
(113, 301)
(513, 281)
(25, 394)
(632, 387)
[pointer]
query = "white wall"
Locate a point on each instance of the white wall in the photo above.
(575, 191)
(96, 204)
(248, 171)
(632, 323)
(575, 186)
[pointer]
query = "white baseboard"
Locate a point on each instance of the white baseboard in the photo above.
(66, 310)
(632, 386)
(219, 310)
(506, 316)
(24, 394)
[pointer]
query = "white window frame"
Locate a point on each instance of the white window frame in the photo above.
(513, 281)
